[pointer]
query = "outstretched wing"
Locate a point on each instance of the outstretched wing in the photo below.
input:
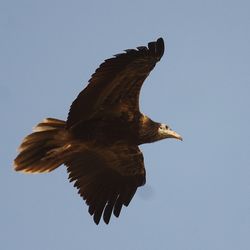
(106, 178)
(116, 84)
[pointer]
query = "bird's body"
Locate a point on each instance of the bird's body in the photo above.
(99, 141)
(116, 129)
(108, 131)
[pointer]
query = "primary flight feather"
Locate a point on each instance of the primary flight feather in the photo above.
(99, 141)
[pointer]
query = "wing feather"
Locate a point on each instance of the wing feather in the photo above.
(107, 178)
(116, 83)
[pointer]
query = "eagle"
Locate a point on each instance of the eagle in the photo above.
(99, 142)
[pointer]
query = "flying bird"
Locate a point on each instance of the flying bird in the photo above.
(99, 142)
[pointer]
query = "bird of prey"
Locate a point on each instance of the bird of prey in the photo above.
(99, 141)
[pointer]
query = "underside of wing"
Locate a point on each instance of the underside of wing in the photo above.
(106, 178)
(116, 84)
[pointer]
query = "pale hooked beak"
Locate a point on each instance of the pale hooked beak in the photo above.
(173, 134)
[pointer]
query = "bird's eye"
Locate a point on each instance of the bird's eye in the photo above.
(163, 126)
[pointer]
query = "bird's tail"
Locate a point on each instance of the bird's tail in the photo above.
(44, 149)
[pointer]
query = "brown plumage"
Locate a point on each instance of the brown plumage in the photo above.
(99, 141)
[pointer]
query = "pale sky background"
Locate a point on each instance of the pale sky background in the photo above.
(197, 195)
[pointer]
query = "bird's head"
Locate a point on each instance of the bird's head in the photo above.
(151, 131)
(164, 131)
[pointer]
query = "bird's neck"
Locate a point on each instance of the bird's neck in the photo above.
(148, 130)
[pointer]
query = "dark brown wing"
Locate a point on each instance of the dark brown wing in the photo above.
(107, 178)
(116, 84)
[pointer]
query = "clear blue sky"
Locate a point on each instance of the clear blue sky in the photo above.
(197, 195)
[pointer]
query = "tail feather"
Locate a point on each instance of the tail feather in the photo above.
(42, 151)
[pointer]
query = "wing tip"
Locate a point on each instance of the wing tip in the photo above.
(157, 47)
(160, 46)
